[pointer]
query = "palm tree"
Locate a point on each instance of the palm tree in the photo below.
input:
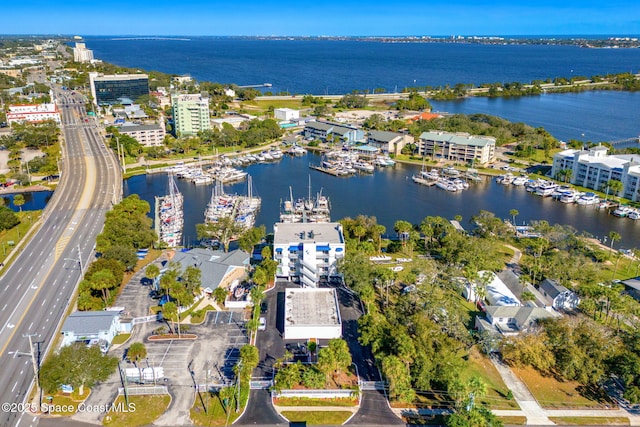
(514, 213)
(152, 272)
(613, 237)
(615, 186)
(402, 228)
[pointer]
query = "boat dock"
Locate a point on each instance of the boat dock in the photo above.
(422, 181)
(329, 171)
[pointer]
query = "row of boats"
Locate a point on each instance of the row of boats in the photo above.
(241, 209)
(170, 216)
(448, 179)
(306, 210)
(341, 163)
(546, 188)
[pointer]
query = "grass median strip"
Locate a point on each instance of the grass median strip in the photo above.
(317, 418)
(141, 410)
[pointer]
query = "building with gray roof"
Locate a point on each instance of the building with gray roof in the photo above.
(92, 327)
(459, 146)
(388, 142)
(326, 130)
(218, 268)
(148, 135)
(511, 320)
(557, 296)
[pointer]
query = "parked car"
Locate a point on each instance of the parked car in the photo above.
(263, 324)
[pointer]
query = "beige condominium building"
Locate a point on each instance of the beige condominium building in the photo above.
(459, 147)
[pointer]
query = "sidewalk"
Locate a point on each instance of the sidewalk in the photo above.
(529, 406)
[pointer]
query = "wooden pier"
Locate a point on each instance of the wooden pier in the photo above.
(329, 171)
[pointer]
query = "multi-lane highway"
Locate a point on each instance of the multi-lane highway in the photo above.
(38, 286)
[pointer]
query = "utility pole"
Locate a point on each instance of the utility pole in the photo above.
(36, 368)
(80, 259)
(123, 378)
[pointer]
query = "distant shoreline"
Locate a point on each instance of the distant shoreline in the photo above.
(580, 40)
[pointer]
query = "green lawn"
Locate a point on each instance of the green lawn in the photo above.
(317, 418)
(68, 402)
(305, 401)
(294, 103)
(590, 421)
(197, 316)
(141, 411)
(480, 365)
(216, 414)
(515, 420)
(27, 219)
(120, 338)
(554, 394)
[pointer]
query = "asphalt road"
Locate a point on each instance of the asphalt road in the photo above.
(36, 289)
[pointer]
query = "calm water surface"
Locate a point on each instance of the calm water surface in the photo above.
(389, 195)
(340, 66)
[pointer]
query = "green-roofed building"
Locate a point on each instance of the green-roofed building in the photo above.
(459, 147)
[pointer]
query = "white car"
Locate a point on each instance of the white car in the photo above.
(263, 324)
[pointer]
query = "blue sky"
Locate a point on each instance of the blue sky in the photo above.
(334, 17)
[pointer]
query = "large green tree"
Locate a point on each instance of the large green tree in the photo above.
(77, 365)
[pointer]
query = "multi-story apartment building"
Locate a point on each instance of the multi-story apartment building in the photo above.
(81, 53)
(111, 89)
(190, 113)
(460, 147)
(147, 135)
(388, 142)
(593, 168)
(308, 252)
(33, 113)
(326, 130)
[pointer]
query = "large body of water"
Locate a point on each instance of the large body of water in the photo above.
(340, 66)
(330, 67)
(389, 195)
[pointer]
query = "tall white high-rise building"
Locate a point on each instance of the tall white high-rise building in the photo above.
(81, 53)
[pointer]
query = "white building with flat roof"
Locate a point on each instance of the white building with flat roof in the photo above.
(594, 168)
(33, 113)
(308, 252)
(311, 313)
(286, 114)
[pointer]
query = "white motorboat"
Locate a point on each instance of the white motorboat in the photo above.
(546, 189)
(623, 211)
(588, 199)
(571, 196)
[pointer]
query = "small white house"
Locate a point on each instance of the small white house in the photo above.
(511, 320)
(92, 327)
(557, 296)
(286, 114)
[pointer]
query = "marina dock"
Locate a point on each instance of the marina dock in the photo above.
(329, 171)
